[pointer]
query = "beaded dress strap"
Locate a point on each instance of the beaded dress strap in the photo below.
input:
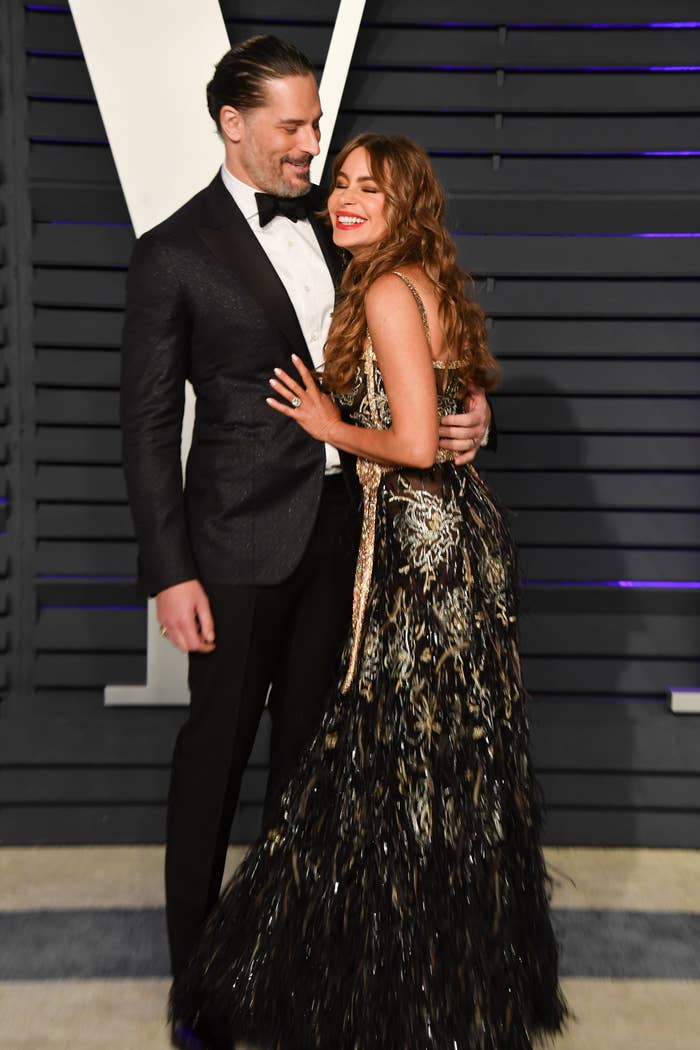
(458, 362)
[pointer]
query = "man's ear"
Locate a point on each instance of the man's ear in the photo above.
(231, 123)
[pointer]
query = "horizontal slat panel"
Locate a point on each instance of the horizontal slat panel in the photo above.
(67, 287)
(87, 165)
(547, 176)
(112, 824)
(65, 121)
(612, 791)
(61, 557)
(63, 722)
(110, 630)
(519, 92)
(96, 407)
(501, 297)
(606, 600)
(514, 133)
(607, 528)
(485, 12)
(77, 445)
(92, 166)
(617, 563)
(78, 368)
(461, 132)
(83, 521)
(640, 736)
(554, 674)
(57, 244)
(542, 674)
(525, 489)
(610, 635)
(557, 414)
(577, 338)
(92, 484)
(578, 256)
(87, 445)
(78, 328)
(88, 670)
(599, 452)
(71, 245)
(481, 12)
(434, 45)
(614, 490)
(609, 377)
(72, 204)
(37, 785)
(662, 829)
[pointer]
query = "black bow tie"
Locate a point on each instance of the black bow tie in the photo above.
(292, 208)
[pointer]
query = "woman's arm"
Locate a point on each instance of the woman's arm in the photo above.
(404, 359)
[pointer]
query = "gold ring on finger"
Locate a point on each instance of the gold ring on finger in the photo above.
(163, 632)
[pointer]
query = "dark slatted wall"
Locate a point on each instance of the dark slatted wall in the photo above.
(571, 151)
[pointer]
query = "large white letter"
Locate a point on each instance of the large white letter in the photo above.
(149, 63)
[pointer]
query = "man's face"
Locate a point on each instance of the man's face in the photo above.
(272, 146)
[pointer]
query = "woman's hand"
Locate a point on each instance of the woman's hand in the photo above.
(314, 411)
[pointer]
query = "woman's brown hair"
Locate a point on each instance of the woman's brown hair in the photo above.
(414, 208)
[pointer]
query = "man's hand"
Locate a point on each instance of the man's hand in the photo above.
(185, 617)
(464, 434)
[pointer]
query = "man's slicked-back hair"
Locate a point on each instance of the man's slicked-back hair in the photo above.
(241, 75)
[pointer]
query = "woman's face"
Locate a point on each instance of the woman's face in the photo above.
(356, 205)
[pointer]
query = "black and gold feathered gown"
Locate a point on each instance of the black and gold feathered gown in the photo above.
(401, 901)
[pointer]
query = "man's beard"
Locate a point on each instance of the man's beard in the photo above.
(268, 174)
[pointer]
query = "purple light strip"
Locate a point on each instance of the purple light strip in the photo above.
(36, 53)
(538, 69)
(533, 25)
(667, 585)
(565, 233)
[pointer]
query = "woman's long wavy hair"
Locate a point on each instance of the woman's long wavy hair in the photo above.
(414, 208)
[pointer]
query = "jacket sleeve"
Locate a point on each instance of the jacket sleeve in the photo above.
(155, 354)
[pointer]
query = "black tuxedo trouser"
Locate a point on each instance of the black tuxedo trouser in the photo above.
(287, 636)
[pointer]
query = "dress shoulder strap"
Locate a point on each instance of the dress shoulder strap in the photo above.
(458, 362)
(419, 303)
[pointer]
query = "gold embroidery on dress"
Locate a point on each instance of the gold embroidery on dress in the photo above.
(370, 474)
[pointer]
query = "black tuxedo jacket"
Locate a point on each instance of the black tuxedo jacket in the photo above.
(204, 303)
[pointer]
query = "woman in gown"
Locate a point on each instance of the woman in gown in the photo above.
(401, 901)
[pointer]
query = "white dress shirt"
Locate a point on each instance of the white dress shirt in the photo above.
(294, 251)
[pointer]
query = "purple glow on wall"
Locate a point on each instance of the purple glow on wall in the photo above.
(567, 233)
(667, 585)
(491, 68)
(551, 25)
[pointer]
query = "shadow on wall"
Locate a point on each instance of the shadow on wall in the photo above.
(577, 638)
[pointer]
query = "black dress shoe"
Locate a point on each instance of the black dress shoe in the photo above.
(186, 1037)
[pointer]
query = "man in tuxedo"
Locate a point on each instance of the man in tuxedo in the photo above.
(252, 563)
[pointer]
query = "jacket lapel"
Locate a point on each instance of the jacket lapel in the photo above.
(227, 234)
